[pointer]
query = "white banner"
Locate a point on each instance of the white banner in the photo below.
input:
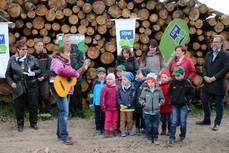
(125, 33)
(4, 48)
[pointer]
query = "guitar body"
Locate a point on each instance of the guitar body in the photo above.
(63, 85)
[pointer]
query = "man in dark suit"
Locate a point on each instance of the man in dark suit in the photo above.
(215, 69)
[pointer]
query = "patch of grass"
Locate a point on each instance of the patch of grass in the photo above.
(88, 113)
(195, 110)
(7, 110)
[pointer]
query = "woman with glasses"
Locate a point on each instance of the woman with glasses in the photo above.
(21, 74)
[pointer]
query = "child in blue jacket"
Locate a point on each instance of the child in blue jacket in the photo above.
(126, 100)
(98, 84)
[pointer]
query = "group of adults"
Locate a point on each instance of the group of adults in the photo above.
(28, 75)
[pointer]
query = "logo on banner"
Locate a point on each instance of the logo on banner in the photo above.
(3, 47)
(177, 34)
(126, 38)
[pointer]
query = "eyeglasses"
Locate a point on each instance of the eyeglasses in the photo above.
(24, 49)
(215, 42)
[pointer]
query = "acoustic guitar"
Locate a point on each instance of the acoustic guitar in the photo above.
(62, 85)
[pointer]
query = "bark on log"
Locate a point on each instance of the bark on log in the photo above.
(41, 10)
(107, 58)
(98, 7)
(93, 52)
(14, 10)
(38, 23)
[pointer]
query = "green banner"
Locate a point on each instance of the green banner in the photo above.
(176, 33)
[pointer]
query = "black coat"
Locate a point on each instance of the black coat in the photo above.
(181, 92)
(44, 62)
(130, 63)
(218, 68)
(14, 74)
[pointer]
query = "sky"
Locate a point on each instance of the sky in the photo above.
(219, 5)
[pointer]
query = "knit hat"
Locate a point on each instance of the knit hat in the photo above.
(144, 71)
(120, 68)
(166, 72)
(178, 70)
(151, 77)
(111, 76)
(101, 69)
(129, 76)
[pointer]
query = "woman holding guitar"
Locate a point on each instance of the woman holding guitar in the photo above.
(61, 67)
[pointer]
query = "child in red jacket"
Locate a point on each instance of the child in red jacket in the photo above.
(109, 104)
(166, 108)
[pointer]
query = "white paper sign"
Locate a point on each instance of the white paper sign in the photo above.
(125, 33)
(4, 48)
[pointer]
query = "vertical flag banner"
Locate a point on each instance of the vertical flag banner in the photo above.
(4, 48)
(125, 33)
(176, 33)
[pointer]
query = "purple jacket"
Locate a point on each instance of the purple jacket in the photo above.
(108, 98)
(62, 67)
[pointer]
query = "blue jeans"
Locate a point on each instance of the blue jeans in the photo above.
(207, 108)
(179, 114)
(152, 125)
(63, 106)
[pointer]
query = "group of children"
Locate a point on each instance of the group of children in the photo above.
(147, 97)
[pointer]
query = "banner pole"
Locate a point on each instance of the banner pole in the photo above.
(9, 22)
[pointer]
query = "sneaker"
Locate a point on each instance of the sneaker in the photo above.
(35, 127)
(171, 141)
(216, 128)
(123, 134)
(106, 134)
(131, 133)
(142, 130)
(115, 133)
(204, 122)
(156, 142)
(20, 128)
(98, 132)
(68, 141)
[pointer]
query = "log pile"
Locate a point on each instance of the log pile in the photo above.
(47, 18)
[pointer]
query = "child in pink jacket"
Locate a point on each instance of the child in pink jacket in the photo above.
(109, 104)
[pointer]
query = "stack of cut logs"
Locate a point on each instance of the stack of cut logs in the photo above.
(46, 18)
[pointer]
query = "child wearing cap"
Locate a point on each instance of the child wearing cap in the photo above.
(166, 108)
(151, 98)
(120, 69)
(109, 105)
(126, 100)
(97, 86)
(181, 91)
(139, 84)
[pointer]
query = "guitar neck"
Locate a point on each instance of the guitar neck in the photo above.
(81, 69)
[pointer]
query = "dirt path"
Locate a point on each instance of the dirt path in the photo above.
(200, 139)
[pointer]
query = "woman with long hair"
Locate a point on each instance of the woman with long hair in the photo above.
(61, 66)
(127, 59)
(152, 58)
